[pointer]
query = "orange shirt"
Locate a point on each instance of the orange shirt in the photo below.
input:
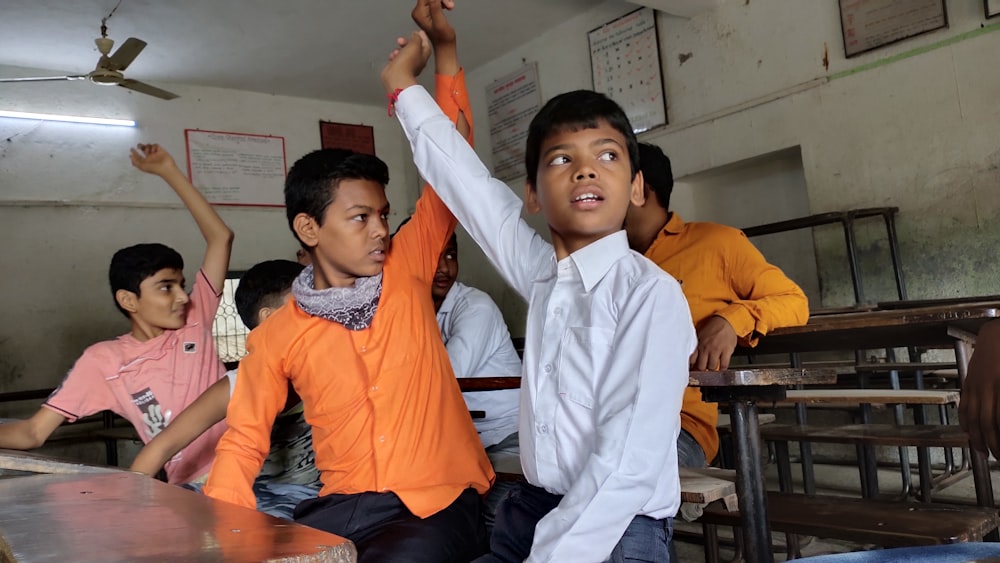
(385, 407)
(723, 274)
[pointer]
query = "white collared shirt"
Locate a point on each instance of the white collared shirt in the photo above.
(479, 345)
(605, 361)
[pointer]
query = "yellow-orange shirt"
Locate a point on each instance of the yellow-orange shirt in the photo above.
(723, 274)
(385, 407)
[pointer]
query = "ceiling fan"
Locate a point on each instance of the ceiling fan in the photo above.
(109, 68)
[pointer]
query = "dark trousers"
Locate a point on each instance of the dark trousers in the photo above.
(645, 539)
(384, 530)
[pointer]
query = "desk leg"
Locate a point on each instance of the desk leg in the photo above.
(750, 482)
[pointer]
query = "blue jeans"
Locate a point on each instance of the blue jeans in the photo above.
(689, 452)
(952, 553)
(645, 539)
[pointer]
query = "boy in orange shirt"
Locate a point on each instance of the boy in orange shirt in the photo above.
(401, 463)
(734, 294)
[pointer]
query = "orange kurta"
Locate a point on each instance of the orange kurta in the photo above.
(723, 274)
(385, 407)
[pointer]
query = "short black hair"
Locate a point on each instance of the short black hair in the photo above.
(572, 111)
(132, 265)
(312, 182)
(656, 172)
(264, 285)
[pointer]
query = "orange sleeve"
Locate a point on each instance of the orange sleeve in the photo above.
(433, 223)
(768, 299)
(260, 392)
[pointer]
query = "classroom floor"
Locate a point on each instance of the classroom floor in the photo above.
(830, 479)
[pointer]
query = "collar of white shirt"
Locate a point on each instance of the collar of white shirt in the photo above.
(595, 260)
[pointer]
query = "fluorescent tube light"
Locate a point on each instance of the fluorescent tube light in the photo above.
(67, 118)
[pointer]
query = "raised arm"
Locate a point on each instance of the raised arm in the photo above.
(31, 433)
(430, 17)
(638, 400)
(154, 159)
(208, 409)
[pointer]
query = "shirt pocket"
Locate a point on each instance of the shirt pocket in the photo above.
(586, 352)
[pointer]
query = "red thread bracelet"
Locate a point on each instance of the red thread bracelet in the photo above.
(392, 100)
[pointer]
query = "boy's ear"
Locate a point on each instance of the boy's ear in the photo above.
(263, 314)
(638, 191)
(531, 203)
(307, 229)
(127, 300)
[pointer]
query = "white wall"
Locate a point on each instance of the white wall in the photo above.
(69, 198)
(918, 133)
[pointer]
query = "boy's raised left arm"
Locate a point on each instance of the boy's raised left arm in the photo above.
(154, 159)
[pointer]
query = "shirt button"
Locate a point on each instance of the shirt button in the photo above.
(547, 368)
(381, 439)
(364, 348)
(557, 311)
(374, 388)
(543, 429)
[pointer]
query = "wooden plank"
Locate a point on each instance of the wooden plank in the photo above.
(488, 383)
(705, 485)
(766, 376)
(887, 524)
(15, 460)
(129, 517)
(920, 435)
(871, 396)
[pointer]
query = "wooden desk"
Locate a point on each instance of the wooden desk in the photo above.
(125, 516)
(952, 323)
(742, 388)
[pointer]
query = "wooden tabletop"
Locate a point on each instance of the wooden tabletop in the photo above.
(766, 376)
(129, 517)
(903, 326)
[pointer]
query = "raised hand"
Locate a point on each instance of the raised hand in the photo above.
(152, 159)
(429, 17)
(406, 62)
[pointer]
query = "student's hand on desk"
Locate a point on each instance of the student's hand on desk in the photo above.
(429, 17)
(152, 159)
(716, 342)
(979, 408)
(406, 62)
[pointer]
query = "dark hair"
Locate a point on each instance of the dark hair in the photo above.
(264, 285)
(572, 111)
(656, 172)
(132, 265)
(312, 182)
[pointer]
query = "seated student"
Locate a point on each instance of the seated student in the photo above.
(401, 465)
(734, 294)
(168, 359)
(479, 345)
(289, 475)
(608, 333)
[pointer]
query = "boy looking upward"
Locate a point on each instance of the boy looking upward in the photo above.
(401, 464)
(168, 359)
(289, 475)
(608, 333)
(734, 294)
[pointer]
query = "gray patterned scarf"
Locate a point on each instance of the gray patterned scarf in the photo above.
(353, 307)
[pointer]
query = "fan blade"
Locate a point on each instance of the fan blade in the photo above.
(125, 54)
(144, 88)
(44, 78)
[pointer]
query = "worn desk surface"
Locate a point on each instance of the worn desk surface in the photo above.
(745, 377)
(902, 326)
(124, 516)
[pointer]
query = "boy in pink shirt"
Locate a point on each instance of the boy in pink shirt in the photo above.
(167, 359)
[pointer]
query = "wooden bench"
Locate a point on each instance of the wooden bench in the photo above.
(886, 524)
(856, 397)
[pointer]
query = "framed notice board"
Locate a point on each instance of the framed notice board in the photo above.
(870, 24)
(625, 60)
(358, 138)
(237, 168)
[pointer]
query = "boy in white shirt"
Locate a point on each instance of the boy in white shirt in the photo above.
(601, 399)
